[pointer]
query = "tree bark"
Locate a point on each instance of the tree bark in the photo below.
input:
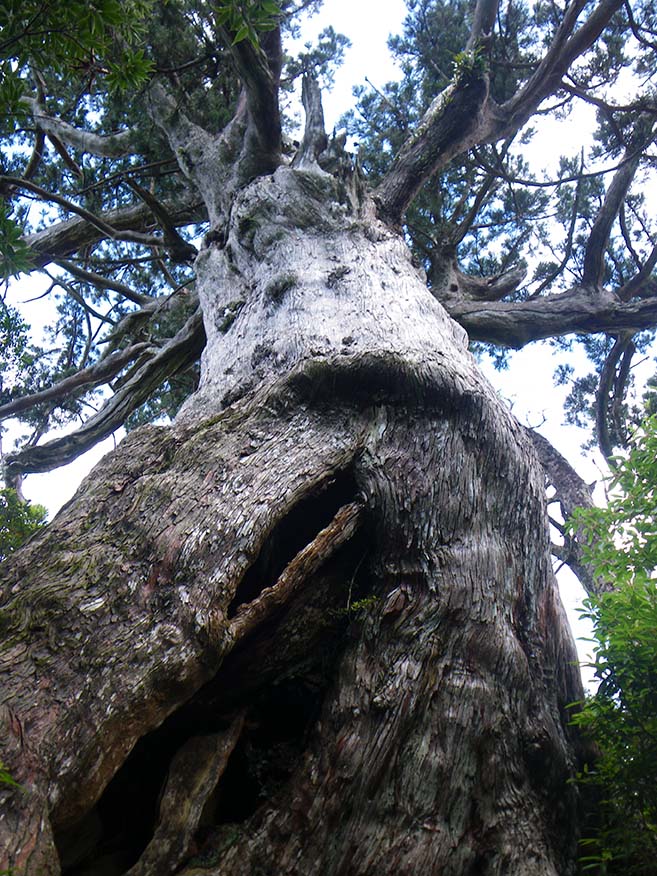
(333, 571)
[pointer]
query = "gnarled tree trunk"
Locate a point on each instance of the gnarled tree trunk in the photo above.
(312, 627)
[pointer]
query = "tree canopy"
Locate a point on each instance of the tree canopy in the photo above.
(98, 200)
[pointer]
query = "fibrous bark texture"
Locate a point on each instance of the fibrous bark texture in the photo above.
(311, 627)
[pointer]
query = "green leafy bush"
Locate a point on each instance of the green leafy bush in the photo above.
(621, 716)
(18, 521)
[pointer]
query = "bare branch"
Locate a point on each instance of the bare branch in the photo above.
(64, 238)
(36, 156)
(450, 126)
(62, 151)
(259, 69)
(567, 45)
(202, 156)
(610, 394)
(70, 290)
(179, 353)
(458, 230)
(571, 492)
(178, 248)
(642, 283)
(482, 23)
(95, 375)
(109, 145)
(639, 105)
(515, 324)
(568, 248)
(97, 222)
(462, 116)
(104, 282)
(342, 527)
(594, 256)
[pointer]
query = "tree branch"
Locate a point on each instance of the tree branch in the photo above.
(107, 145)
(207, 160)
(483, 22)
(450, 126)
(107, 230)
(515, 324)
(36, 156)
(314, 140)
(259, 69)
(342, 527)
(178, 248)
(563, 51)
(462, 116)
(94, 375)
(571, 492)
(594, 256)
(610, 394)
(64, 238)
(102, 282)
(641, 283)
(177, 354)
(568, 248)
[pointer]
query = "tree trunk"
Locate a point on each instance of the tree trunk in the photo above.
(312, 627)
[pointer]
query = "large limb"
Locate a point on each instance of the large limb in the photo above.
(568, 45)
(449, 127)
(107, 145)
(64, 238)
(594, 255)
(95, 375)
(314, 140)
(207, 159)
(463, 115)
(515, 324)
(259, 69)
(609, 415)
(102, 227)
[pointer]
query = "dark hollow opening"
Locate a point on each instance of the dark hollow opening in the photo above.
(281, 678)
(296, 530)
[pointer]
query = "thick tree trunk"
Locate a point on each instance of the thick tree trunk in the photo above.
(312, 627)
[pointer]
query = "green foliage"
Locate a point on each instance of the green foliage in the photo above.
(5, 777)
(621, 717)
(14, 252)
(96, 38)
(246, 19)
(18, 521)
(63, 36)
(469, 65)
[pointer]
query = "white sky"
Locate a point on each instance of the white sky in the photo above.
(528, 382)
